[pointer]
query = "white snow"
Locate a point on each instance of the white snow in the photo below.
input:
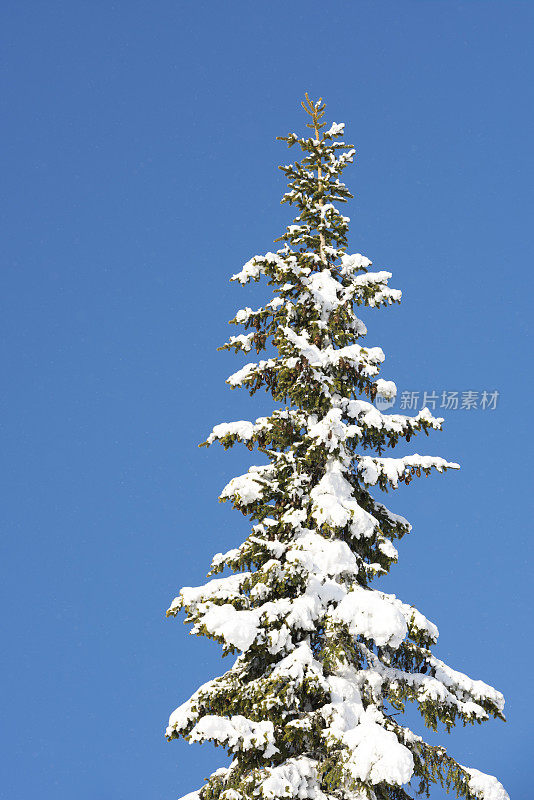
(369, 613)
(298, 665)
(371, 469)
(244, 342)
(413, 617)
(237, 732)
(256, 267)
(333, 503)
(248, 488)
(242, 428)
(323, 288)
(386, 389)
(335, 129)
(368, 278)
(251, 270)
(231, 794)
(322, 556)
(245, 430)
(296, 777)
(192, 795)
(366, 358)
(331, 430)
(245, 372)
(350, 264)
(377, 755)
(182, 716)
(389, 550)
(217, 589)
(486, 787)
(237, 628)
(368, 416)
(473, 688)
(425, 687)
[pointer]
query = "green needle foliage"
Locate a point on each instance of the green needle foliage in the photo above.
(325, 664)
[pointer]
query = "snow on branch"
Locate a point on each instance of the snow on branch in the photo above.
(391, 470)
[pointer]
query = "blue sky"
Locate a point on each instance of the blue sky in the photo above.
(139, 172)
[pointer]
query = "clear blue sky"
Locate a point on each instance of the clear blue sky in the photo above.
(139, 172)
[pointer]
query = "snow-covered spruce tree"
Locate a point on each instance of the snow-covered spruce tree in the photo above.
(325, 664)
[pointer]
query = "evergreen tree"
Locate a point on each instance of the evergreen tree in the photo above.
(325, 664)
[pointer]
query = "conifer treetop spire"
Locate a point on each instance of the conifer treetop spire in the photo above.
(324, 663)
(316, 111)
